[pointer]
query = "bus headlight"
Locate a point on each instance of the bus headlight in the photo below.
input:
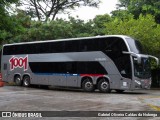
(138, 82)
(150, 82)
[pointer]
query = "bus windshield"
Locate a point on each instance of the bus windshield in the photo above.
(142, 70)
(135, 46)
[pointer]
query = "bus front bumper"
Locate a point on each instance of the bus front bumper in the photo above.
(143, 84)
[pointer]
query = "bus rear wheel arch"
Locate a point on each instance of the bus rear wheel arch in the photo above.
(87, 84)
(103, 85)
(26, 81)
(17, 80)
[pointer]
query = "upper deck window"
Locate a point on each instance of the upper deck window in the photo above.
(107, 44)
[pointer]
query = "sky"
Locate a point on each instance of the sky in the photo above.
(86, 13)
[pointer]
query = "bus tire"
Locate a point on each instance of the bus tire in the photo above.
(119, 91)
(87, 85)
(18, 80)
(26, 81)
(103, 86)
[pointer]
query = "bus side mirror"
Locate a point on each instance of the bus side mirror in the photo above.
(157, 60)
(135, 55)
(138, 56)
(139, 60)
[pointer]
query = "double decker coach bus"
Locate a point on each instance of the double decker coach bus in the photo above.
(113, 62)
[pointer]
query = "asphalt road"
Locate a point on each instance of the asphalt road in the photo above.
(14, 98)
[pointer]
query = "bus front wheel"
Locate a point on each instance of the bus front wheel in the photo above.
(87, 85)
(26, 81)
(18, 80)
(103, 86)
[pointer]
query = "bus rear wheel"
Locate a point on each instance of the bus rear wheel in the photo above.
(26, 81)
(87, 85)
(18, 80)
(103, 86)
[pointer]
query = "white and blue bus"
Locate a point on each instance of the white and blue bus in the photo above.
(113, 62)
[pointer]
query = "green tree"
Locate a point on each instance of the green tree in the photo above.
(137, 7)
(56, 29)
(81, 28)
(45, 31)
(22, 23)
(7, 23)
(121, 14)
(45, 9)
(99, 22)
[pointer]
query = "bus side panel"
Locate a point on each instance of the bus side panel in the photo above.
(57, 80)
(72, 80)
(54, 80)
(39, 79)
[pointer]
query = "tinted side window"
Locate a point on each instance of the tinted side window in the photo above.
(67, 67)
(71, 46)
(71, 67)
(7, 50)
(57, 47)
(112, 44)
(83, 46)
(53, 67)
(107, 44)
(90, 68)
(87, 45)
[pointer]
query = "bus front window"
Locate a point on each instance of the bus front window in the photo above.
(142, 70)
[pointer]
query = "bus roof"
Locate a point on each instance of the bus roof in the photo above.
(67, 39)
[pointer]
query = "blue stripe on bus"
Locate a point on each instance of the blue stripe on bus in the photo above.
(57, 74)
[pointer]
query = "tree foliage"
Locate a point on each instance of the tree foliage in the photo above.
(137, 7)
(99, 23)
(45, 9)
(57, 29)
(121, 14)
(7, 26)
